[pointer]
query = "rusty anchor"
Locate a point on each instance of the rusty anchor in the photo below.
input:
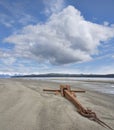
(69, 94)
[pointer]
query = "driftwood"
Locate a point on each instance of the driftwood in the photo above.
(69, 94)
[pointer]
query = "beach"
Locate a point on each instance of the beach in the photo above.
(24, 106)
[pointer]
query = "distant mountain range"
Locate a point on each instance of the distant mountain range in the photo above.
(66, 75)
(59, 75)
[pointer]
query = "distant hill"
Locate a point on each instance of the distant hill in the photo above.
(67, 75)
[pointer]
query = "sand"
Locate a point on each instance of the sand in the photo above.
(24, 106)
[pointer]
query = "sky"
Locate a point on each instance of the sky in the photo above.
(56, 36)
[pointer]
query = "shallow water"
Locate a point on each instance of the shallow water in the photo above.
(106, 85)
(107, 88)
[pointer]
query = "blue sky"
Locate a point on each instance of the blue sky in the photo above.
(56, 36)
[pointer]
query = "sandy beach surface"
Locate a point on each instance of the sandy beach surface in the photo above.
(24, 106)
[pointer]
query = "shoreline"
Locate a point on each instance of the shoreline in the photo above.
(24, 106)
(92, 85)
(66, 79)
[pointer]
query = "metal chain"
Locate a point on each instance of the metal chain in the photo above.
(92, 116)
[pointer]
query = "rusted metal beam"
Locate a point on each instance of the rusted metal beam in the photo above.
(55, 90)
(73, 99)
(51, 90)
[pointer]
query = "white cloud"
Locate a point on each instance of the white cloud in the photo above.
(53, 6)
(8, 61)
(6, 20)
(106, 23)
(65, 38)
(26, 18)
(16, 14)
(10, 21)
(7, 57)
(106, 69)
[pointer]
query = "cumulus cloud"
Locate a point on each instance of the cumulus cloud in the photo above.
(106, 23)
(65, 38)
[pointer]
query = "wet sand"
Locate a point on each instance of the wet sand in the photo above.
(24, 106)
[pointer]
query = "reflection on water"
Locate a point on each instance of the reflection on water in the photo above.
(100, 87)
